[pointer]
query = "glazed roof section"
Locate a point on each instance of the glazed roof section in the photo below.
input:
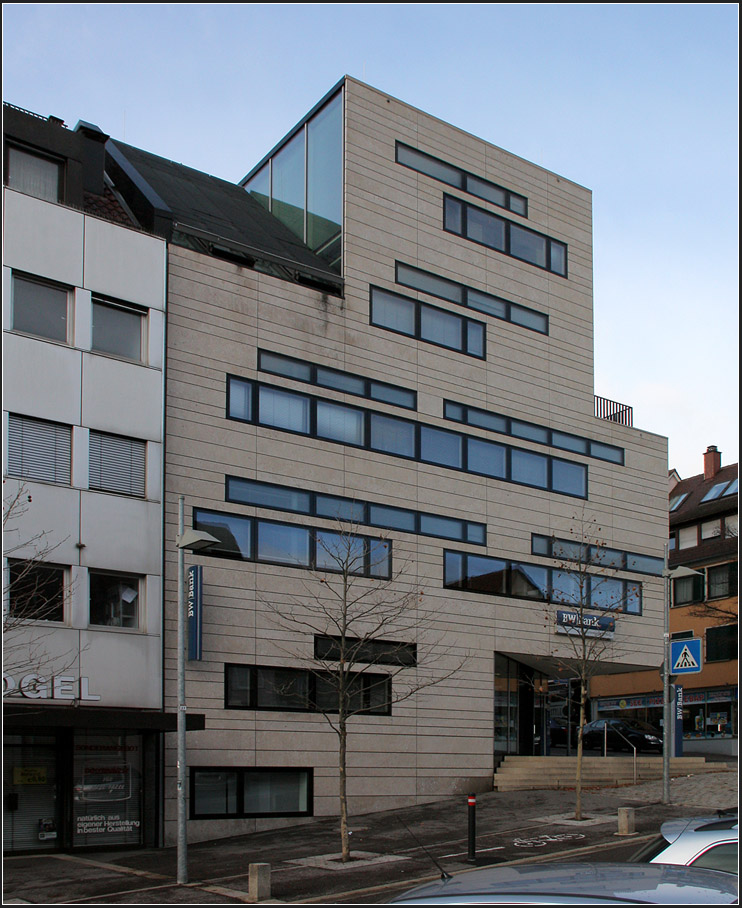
(174, 200)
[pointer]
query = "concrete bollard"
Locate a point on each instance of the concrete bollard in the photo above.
(259, 882)
(626, 821)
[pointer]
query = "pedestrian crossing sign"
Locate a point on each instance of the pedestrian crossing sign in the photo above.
(685, 656)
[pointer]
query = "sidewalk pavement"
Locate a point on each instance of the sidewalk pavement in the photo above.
(392, 850)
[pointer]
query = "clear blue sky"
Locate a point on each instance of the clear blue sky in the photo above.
(638, 102)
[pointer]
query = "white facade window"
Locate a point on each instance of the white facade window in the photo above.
(41, 309)
(117, 464)
(114, 600)
(36, 591)
(35, 174)
(39, 450)
(687, 537)
(118, 329)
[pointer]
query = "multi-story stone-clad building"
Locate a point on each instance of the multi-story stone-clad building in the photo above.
(388, 324)
(83, 394)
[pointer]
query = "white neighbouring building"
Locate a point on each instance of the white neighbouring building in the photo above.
(83, 390)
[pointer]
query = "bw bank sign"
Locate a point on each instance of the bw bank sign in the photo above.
(589, 625)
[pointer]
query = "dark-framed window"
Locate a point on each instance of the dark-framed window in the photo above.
(36, 590)
(34, 173)
(273, 542)
(118, 329)
(721, 581)
(498, 233)
(114, 599)
(447, 289)
(228, 792)
(461, 179)
(280, 689)
(494, 576)
(40, 308)
(403, 315)
(337, 507)
(721, 642)
(337, 379)
(686, 590)
(518, 428)
(571, 550)
(398, 437)
(372, 652)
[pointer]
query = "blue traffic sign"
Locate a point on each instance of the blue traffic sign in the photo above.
(685, 656)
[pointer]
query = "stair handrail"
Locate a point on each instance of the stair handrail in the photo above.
(605, 745)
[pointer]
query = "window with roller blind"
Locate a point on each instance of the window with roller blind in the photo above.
(39, 450)
(117, 464)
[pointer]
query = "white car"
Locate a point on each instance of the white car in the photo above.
(710, 842)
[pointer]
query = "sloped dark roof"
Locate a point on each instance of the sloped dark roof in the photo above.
(219, 208)
(693, 510)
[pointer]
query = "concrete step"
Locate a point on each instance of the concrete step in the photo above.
(528, 773)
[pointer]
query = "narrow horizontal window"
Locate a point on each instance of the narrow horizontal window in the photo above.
(519, 580)
(336, 379)
(505, 425)
(398, 437)
(39, 450)
(582, 552)
(461, 179)
(502, 235)
(231, 793)
(353, 511)
(427, 323)
(369, 651)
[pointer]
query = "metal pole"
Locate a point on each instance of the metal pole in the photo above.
(472, 802)
(666, 687)
(182, 842)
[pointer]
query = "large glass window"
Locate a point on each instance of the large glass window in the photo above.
(40, 308)
(283, 543)
(118, 330)
(224, 793)
(722, 581)
(721, 642)
(302, 183)
(392, 436)
(339, 423)
(487, 458)
(439, 446)
(39, 450)
(529, 468)
(234, 533)
(36, 591)
(114, 599)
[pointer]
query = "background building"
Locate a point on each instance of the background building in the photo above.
(704, 537)
(83, 360)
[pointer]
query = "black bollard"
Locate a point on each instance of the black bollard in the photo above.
(472, 800)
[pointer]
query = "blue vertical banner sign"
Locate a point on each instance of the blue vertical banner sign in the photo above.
(678, 721)
(195, 611)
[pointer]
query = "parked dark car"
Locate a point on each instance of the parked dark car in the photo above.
(621, 735)
(559, 731)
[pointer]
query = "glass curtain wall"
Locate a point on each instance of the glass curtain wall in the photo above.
(302, 183)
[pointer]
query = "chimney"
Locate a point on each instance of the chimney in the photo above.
(711, 462)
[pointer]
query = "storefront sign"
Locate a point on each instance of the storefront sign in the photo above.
(678, 721)
(589, 625)
(29, 775)
(195, 611)
(58, 687)
(94, 824)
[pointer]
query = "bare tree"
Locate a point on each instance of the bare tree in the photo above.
(35, 592)
(362, 616)
(595, 598)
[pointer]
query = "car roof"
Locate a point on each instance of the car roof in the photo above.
(707, 825)
(580, 883)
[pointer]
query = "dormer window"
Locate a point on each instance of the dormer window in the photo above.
(35, 174)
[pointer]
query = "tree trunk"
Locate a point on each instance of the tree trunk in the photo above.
(342, 781)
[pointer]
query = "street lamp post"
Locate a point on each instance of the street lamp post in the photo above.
(668, 576)
(193, 541)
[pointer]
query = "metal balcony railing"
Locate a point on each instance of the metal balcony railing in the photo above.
(615, 412)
